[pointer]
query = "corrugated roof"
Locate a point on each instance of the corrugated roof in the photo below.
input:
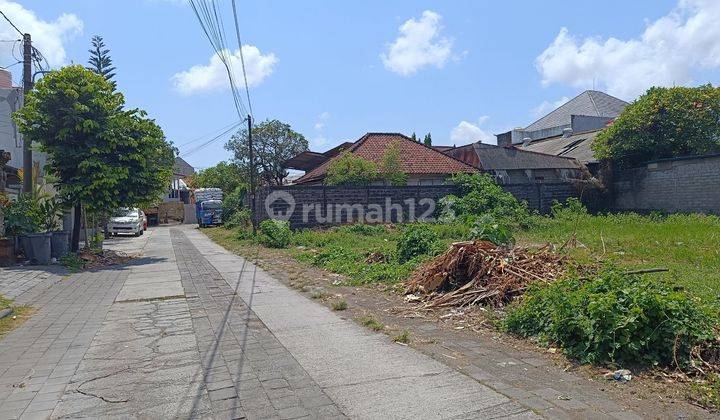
(591, 103)
(415, 158)
(490, 157)
(576, 146)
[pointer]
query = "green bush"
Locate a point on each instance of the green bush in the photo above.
(275, 233)
(416, 240)
(239, 219)
(478, 195)
(614, 319)
(488, 228)
(23, 216)
(573, 209)
(233, 202)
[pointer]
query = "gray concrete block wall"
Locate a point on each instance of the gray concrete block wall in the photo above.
(680, 185)
(398, 204)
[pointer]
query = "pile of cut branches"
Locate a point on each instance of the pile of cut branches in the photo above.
(480, 272)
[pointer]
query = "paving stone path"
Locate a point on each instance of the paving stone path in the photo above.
(188, 330)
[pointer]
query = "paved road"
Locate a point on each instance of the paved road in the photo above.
(188, 330)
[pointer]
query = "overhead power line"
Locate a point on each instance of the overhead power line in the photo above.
(11, 23)
(207, 143)
(196, 139)
(242, 57)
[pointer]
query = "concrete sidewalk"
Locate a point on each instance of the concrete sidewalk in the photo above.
(188, 330)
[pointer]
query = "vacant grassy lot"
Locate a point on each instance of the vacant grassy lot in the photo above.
(688, 245)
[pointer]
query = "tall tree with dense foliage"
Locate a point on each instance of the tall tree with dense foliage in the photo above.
(102, 156)
(100, 61)
(274, 142)
(663, 123)
(224, 175)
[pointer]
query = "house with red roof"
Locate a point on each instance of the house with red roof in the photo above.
(423, 165)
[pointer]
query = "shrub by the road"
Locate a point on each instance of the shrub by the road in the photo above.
(614, 319)
(275, 233)
(416, 240)
(233, 202)
(238, 219)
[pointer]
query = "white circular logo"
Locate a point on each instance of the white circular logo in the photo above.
(283, 213)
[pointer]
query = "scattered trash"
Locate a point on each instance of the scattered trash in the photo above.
(480, 272)
(563, 398)
(552, 350)
(622, 375)
(412, 298)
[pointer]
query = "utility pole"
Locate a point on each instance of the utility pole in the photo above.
(27, 87)
(253, 213)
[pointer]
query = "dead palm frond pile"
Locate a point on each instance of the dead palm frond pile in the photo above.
(480, 272)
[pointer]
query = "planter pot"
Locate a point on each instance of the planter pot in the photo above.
(7, 251)
(59, 244)
(40, 245)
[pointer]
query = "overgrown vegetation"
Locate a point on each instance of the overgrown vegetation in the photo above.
(416, 240)
(372, 323)
(275, 233)
(479, 195)
(614, 318)
(72, 262)
(18, 316)
(339, 305)
(488, 228)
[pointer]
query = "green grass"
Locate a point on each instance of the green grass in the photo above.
(339, 305)
(688, 245)
(372, 323)
(403, 337)
(18, 316)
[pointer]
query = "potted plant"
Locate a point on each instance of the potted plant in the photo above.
(51, 210)
(96, 241)
(22, 217)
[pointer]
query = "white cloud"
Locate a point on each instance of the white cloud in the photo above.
(419, 44)
(668, 51)
(213, 76)
(322, 118)
(48, 37)
(466, 132)
(547, 106)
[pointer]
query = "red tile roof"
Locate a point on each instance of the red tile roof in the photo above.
(415, 158)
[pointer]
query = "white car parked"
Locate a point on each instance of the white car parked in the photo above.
(126, 221)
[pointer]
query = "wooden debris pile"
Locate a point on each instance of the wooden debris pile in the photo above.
(480, 272)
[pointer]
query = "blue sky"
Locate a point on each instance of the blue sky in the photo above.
(462, 70)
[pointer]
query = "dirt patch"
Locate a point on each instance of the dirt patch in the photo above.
(463, 338)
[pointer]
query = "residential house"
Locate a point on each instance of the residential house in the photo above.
(179, 190)
(512, 165)
(568, 130)
(423, 165)
(11, 99)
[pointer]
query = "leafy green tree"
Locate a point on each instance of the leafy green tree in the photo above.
(226, 176)
(663, 123)
(102, 157)
(274, 142)
(427, 140)
(100, 61)
(414, 137)
(389, 168)
(351, 170)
